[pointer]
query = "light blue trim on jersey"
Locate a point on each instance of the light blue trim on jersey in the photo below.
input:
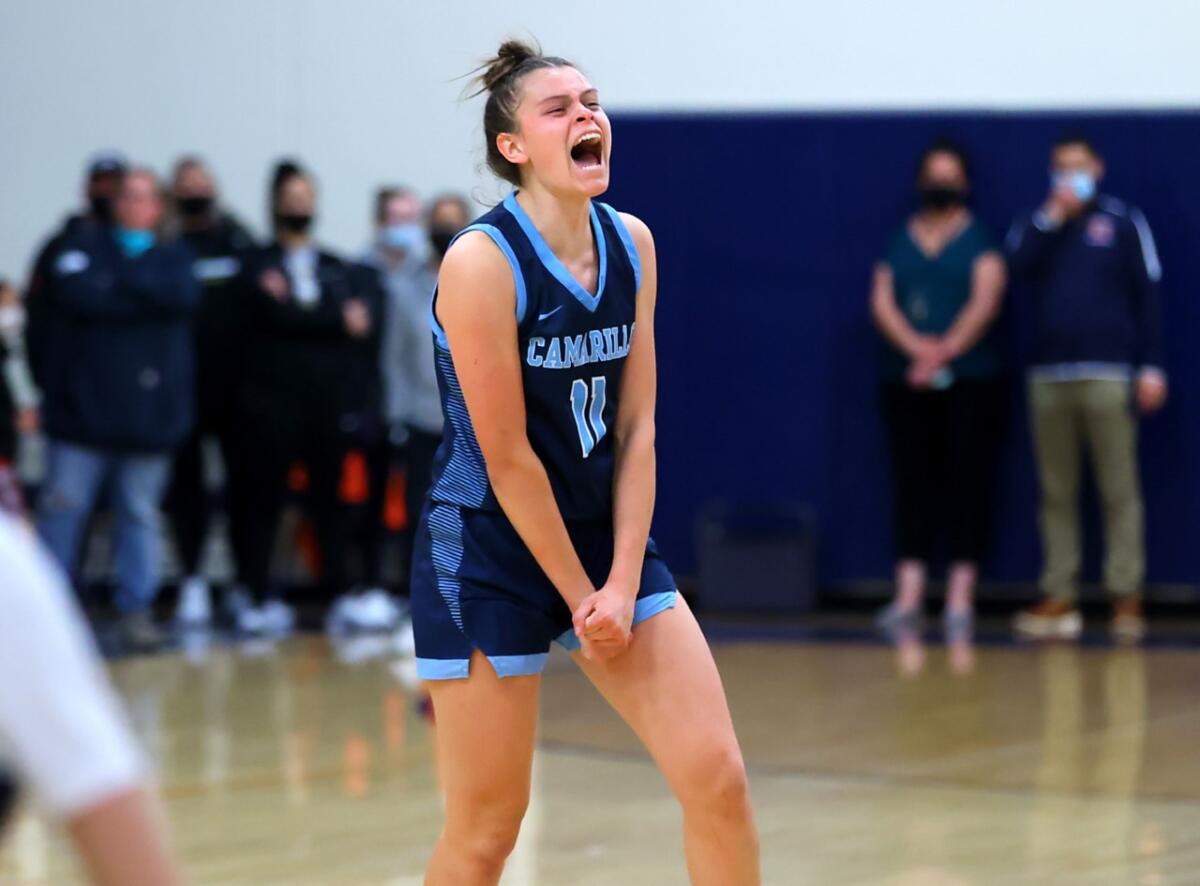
(460, 668)
(550, 260)
(518, 665)
(443, 668)
(497, 237)
(627, 239)
(646, 607)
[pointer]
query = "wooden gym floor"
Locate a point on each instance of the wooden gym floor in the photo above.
(917, 765)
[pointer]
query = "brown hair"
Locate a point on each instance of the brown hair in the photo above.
(500, 77)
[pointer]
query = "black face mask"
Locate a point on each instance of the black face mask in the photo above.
(940, 197)
(102, 207)
(293, 223)
(441, 238)
(195, 207)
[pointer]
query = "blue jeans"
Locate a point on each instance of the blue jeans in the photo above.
(75, 476)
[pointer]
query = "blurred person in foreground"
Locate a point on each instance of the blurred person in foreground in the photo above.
(62, 731)
(117, 390)
(1098, 361)
(936, 295)
(105, 171)
(220, 245)
(309, 382)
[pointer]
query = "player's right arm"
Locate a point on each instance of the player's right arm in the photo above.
(476, 306)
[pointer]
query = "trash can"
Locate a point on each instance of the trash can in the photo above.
(756, 557)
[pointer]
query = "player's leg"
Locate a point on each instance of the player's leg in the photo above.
(485, 771)
(667, 688)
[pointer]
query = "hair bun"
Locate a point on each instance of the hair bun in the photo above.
(511, 55)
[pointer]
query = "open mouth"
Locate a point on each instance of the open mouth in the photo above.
(588, 151)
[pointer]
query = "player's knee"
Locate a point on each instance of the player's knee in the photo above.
(488, 839)
(486, 850)
(718, 785)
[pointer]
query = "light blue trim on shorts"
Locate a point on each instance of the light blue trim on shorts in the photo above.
(647, 607)
(460, 668)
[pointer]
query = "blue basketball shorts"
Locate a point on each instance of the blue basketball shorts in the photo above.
(475, 585)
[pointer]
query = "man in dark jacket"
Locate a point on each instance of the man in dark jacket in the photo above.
(1098, 359)
(221, 246)
(117, 389)
(104, 174)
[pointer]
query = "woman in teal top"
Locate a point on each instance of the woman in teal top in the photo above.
(935, 296)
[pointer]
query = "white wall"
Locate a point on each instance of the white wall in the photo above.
(364, 91)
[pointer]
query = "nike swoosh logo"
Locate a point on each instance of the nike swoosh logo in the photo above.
(542, 317)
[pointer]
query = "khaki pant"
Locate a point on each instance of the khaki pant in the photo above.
(1067, 415)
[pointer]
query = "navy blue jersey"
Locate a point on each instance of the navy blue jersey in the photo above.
(573, 348)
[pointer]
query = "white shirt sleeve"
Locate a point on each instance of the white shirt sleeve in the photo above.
(61, 724)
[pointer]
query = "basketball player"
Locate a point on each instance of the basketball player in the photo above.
(536, 528)
(61, 731)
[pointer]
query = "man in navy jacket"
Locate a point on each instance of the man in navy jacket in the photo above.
(118, 389)
(1098, 360)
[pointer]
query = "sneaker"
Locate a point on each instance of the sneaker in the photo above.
(339, 620)
(895, 617)
(376, 610)
(278, 617)
(194, 609)
(403, 641)
(138, 632)
(958, 623)
(236, 601)
(1049, 620)
(1128, 622)
(250, 620)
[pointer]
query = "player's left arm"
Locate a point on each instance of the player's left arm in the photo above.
(634, 476)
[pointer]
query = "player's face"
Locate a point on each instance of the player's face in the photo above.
(565, 137)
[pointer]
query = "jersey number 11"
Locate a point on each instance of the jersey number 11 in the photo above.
(589, 420)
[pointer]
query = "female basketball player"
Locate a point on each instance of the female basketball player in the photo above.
(536, 528)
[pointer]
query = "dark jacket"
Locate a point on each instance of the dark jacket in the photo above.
(300, 357)
(119, 371)
(41, 329)
(1096, 280)
(220, 323)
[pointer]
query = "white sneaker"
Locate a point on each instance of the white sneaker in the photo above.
(404, 643)
(194, 609)
(278, 617)
(376, 610)
(340, 618)
(251, 620)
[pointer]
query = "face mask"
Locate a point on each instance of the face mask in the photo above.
(102, 207)
(941, 197)
(441, 239)
(293, 223)
(409, 237)
(134, 243)
(195, 207)
(12, 319)
(1081, 184)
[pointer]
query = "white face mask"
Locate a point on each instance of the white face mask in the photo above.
(12, 318)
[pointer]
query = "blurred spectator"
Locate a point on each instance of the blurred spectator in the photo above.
(18, 397)
(105, 171)
(935, 296)
(408, 262)
(220, 245)
(1098, 359)
(118, 388)
(309, 380)
(62, 729)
